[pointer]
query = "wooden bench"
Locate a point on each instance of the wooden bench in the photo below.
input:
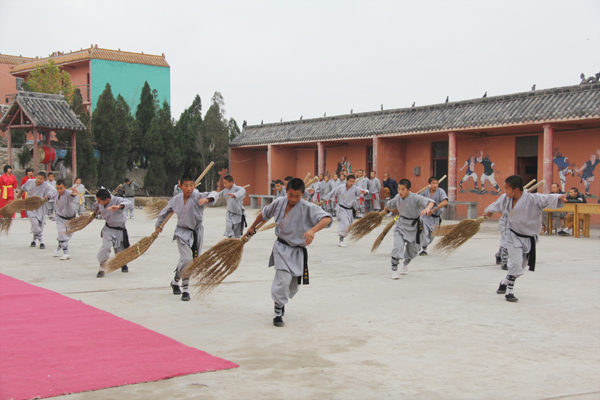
(265, 200)
(471, 209)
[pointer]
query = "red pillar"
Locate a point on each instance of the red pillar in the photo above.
(269, 166)
(74, 155)
(452, 173)
(48, 165)
(9, 145)
(321, 158)
(36, 159)
(375, 166)
(548, 157)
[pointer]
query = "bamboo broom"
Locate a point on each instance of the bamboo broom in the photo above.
(372, 220)
(133, 252)
(212, 267)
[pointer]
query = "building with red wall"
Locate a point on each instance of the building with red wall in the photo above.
(521, 133)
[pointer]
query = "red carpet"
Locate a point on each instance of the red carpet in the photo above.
(52, 345)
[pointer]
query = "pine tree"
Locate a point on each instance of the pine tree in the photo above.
(189, 137)
(215, 140)
(172, 153)
(125, 125)
(87, 164)
(154, 148)
(107, 137)
(234, 129)
(146, 110)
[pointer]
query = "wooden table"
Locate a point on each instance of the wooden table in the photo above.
(584, 208)
(576, 209)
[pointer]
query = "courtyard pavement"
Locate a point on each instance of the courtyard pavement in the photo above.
(440, 332)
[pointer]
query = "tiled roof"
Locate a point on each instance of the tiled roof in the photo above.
(96, 53)
(13, 60)
(50, 111)
(571, 102)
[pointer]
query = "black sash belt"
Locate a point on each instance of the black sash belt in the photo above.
(125, 235)
(196, 243)
(419, 223)
(304, 278)
(67, 218)
(344, 207)
(531, 261)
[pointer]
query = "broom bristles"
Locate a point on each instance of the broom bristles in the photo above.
(77, 224)
(443, 230)
(31, 203)
(459, 235)
(362, 227)
(131, 253)
(268, 226)
(155, 208)
(5, 224)
(383, 233)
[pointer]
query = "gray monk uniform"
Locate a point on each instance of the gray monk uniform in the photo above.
(189, 227)
(288, 259)
(113, 233)
(433, 221)
(235, 217)
(128, 190)
(66, 209)
(80, 198)
(50, 203)
(362, 184)
(406, 229)
(524, 219)
(326, 188)
(37, 218)
(281, 193)
(374, 189)
(344, 207)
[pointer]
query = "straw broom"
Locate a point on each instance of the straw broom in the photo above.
(133, 252)
(28, 204)
(372, 220)
(385, 231)
(212, 267)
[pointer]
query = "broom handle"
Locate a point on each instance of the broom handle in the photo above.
(537, 185)
(115, 191)
(165, 221)
(428, 186)
(197, 183)
(307, 178)
(246, 187)
(529, 184)
(245, 238)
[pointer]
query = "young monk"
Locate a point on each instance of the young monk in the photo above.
(114, 234)
(80, 192)
(8, 185)
(235, 218)
(66, 205)
(37, 187)
(189, 232)
(297, 223)
(346, 194)
(523, 212)
(280, 190)
(408, 232)
(434, 217)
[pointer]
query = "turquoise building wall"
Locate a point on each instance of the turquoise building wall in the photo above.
(128, 80)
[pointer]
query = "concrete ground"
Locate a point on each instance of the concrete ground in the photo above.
(440, 332)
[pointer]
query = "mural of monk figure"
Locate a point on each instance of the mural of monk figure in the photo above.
(564, 168)
(588, 167)
(470, 166)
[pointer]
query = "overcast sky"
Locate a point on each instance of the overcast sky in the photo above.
(283, 59)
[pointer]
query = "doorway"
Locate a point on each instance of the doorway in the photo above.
(527, 158)
(439, 160)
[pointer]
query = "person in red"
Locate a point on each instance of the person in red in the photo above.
(8, 184)
(28, 176)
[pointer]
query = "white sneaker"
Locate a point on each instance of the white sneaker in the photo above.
(56, 252)
(342, 244)
(395, 275)
(404, 270)
(65, 257)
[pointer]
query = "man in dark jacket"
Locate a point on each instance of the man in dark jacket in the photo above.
(391, 184)
(573, 197)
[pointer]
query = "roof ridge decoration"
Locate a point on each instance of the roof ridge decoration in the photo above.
(14, 60)
(576, 102)
(590, 79)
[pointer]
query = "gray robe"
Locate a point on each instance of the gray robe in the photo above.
(346, 199)
(405, 231)
(66, 209)
(281, 193)
(361, 204)
(433, 221)
(112, 237)
(189, 220)
(80, 198)
(525, 219)
(235, 211)
(37, 218)
(374, 189)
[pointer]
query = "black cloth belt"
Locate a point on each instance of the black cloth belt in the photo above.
(196, 243)
(531, 261)
(304, 278)
(416, 221)
(125, 235)
(67, 218)
(347, 208)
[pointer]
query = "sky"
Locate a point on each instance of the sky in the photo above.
(274, 60)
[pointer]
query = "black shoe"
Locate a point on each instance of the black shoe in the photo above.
(498, 260)
(561, 233)
(423, 253)
(278, 321)
(124, 268)
(185, 296)
(501, 289)
(504, 267)
(100, 274)
(32, 244)
(511, 297)
(42, 246)
(176, 289)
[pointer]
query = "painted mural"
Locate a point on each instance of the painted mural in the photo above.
(488, 175)
(581, 177)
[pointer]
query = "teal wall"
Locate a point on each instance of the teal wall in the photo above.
(128, 79)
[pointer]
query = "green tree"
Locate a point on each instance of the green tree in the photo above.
(215, 140)
(107, 137)
(156, 177)
(87, 164)
(171, 150)
(145, 112)
(188, 132)
(125, 124)
(234, 129)
(24, 157)
(48, 78)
